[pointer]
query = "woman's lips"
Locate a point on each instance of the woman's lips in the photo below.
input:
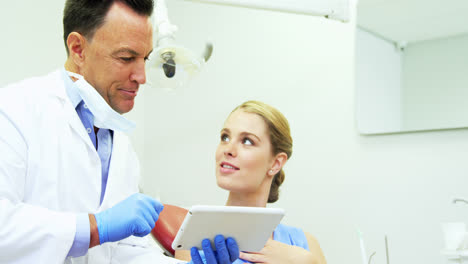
(227, 168)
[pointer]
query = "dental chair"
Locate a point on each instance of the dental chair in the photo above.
(169, 222)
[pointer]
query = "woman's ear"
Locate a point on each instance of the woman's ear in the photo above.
(278, 163)
(76, 44)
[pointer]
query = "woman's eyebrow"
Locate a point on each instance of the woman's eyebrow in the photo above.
(251, 134)
(245, 133)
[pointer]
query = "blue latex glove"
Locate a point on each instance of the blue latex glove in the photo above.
(226, 252)
(135, 215)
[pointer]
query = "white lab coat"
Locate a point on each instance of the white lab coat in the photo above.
(50, 171)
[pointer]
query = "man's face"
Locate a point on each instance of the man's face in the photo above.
(114, 59)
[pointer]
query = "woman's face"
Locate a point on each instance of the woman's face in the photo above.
(244, 156)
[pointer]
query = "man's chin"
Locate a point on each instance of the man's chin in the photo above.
(124, 107)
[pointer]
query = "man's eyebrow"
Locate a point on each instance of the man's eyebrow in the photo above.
(132, 52)
(126, 50)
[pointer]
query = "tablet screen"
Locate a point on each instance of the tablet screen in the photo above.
(249, 226)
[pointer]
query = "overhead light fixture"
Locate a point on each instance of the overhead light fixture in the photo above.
(333, 9)
(171, 66)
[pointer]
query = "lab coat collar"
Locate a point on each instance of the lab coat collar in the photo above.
(56, 86)
(59, 81)
(70, 88)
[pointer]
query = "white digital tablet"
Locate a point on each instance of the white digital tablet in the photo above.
(249, 226)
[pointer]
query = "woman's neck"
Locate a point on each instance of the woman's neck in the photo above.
(243, 199)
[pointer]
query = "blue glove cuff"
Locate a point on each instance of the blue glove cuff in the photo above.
(102, 227)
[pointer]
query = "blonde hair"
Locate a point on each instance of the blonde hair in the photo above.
(280, 137)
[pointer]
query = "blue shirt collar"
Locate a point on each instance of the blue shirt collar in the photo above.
(71, 89)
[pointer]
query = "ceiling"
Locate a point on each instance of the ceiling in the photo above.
(413, 20)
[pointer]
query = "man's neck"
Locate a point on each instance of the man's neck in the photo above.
(71, 66)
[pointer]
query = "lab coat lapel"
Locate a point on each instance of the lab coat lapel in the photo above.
(75, 122)
(57, 88)
(77, 125)
(113, 181)
(123, 172)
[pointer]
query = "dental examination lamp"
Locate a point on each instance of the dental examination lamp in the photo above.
(171, 66)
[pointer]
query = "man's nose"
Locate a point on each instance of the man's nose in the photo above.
(139, 73)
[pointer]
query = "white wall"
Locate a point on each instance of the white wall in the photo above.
(400, 185)
(435, 83)
(31, 39)
(378, 84)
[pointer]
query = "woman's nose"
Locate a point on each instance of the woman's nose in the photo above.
(230, 150)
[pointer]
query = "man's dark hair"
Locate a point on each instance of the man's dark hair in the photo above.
(86, 16)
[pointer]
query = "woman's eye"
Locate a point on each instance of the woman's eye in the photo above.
(224, 138)
(247, 141)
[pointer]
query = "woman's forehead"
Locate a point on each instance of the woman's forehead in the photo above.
(241, 121)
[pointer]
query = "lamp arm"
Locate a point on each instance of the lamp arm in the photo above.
(162, 24)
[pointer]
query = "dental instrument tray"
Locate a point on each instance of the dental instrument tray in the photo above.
(249, 226)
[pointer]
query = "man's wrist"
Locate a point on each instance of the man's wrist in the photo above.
(94, 232)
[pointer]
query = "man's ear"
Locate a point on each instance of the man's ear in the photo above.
(76, 44)
(278, 163)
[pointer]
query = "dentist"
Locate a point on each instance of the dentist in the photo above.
(68, 173)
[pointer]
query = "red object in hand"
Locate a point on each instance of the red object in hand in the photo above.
(168, 224)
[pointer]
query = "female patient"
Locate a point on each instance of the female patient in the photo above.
(255, 144)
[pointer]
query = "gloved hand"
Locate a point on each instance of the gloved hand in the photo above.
(135, 215)
(226, 252)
